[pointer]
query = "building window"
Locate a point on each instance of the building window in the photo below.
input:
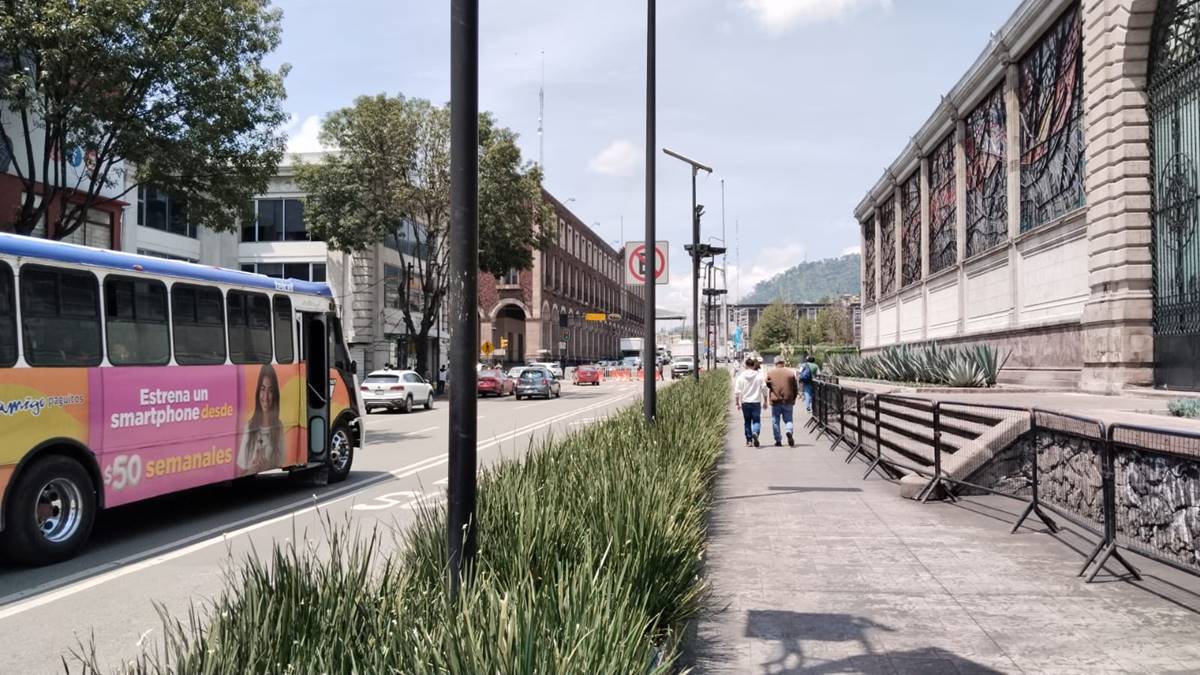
(986, 148)
(276, 220)
(404, 240)
(886, 213)
(301, 271)
(1051, 94)
(393, 277)
(511, 278)
(158, 210)
(943, 244)
(910, 230)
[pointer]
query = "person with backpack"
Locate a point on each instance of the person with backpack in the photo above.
(805, 374)
(749, 391)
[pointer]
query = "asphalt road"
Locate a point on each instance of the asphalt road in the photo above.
(176, 550)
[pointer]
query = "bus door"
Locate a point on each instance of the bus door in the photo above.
(316, 344)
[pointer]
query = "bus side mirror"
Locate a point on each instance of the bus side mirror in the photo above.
(354, 367)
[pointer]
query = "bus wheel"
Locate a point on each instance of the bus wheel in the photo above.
(341, 453)
(52, 510)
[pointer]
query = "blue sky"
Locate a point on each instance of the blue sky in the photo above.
(798, 104)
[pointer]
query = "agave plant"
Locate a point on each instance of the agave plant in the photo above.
(966, 366)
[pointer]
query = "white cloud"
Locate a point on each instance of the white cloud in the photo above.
(778, 16)
(620, 158)
(303, 134)
(852, 250)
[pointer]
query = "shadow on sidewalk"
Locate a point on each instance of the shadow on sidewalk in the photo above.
(790, 630)
(788, 490)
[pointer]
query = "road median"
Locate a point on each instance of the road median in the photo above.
(589, 561)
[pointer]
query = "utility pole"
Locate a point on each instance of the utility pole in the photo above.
(697, 252)
(649, 393)
(464, 285)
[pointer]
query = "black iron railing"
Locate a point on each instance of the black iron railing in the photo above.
(1135, 487)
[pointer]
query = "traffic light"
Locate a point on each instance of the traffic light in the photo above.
(503, 343)
(699, 212)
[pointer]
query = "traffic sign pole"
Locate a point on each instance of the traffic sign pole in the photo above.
(648, 391)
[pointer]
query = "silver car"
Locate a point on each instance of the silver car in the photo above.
(538, 382)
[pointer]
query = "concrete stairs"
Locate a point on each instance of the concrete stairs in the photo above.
(901, 429)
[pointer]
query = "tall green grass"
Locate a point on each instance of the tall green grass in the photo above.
(589, 562)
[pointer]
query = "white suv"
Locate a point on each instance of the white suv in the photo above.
(552, 366)
(396, 389)
(682, 365)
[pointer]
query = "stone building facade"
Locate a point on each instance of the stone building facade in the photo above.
(1049, 205)
(579, 274)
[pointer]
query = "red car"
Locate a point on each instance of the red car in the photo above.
(587, 375)
(494, 383)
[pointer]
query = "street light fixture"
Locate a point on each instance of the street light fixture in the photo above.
(694, 249)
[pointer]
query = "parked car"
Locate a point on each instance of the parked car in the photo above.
(494, 383)
(587, 375)
(682, 365)
(514, 373)
(395, 390)
(538, 382)
(554, 367)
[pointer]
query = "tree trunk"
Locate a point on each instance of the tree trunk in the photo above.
(422, 344)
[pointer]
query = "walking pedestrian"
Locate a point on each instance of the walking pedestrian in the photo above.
(805, 374)
(781, 383)
(749, 390)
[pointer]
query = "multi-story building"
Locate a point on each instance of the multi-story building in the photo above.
(540, 312)
(1047, 206)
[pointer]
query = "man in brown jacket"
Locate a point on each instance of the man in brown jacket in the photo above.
(781, 383)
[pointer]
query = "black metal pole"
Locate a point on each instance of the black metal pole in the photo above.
(464, 284)
(649, 393)
(695, 283)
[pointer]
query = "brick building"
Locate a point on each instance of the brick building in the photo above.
(579, 274)
(1047, 206)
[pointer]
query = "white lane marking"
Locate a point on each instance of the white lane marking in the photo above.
(386, 501)
(418, 431)
(442, 481)
(132, 564)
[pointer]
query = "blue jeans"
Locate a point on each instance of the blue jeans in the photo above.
(752, 418)
(808, 396)
(779, 410)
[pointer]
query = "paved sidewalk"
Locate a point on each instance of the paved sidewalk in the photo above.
(814, 570)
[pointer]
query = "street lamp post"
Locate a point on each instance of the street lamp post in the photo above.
(649, 393)
(695, 251)
(464, 286)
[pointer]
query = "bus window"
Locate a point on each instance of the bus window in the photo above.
(283, 330)
(60, 315)
(249, 327)
(199, 321)
(341, 358)
(8, 317)
(135, 313)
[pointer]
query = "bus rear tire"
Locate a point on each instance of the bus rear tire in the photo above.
(51, 512)
(341, 453)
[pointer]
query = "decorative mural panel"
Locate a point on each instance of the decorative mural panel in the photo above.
(910, 230)
(943, 207)
(1174, 90)
(1051, 95)
(869, 261)
(986, 149)
(886, 213)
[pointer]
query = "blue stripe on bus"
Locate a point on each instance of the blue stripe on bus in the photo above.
(44, 249)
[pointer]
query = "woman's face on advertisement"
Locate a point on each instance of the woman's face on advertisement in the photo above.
(266, 394)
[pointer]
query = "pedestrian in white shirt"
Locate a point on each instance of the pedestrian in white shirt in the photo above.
(749, 391)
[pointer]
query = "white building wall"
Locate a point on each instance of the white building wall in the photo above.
(912, 315)
(888, 313)
(943, 310)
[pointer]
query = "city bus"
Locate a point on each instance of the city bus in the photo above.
(125, 377)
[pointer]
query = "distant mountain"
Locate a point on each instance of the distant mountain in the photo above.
(810, 281)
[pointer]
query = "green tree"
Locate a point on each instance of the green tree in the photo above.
(834, 326)
(776, 326)
(174, 91)
(390, 177)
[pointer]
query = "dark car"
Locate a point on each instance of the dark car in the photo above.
(495, 383)
(537, 382)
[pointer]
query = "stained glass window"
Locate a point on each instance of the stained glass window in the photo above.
(910, 230)
(886, 213)
(1051, 94)
(986, 148)
(869, 260)
(943, 209)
